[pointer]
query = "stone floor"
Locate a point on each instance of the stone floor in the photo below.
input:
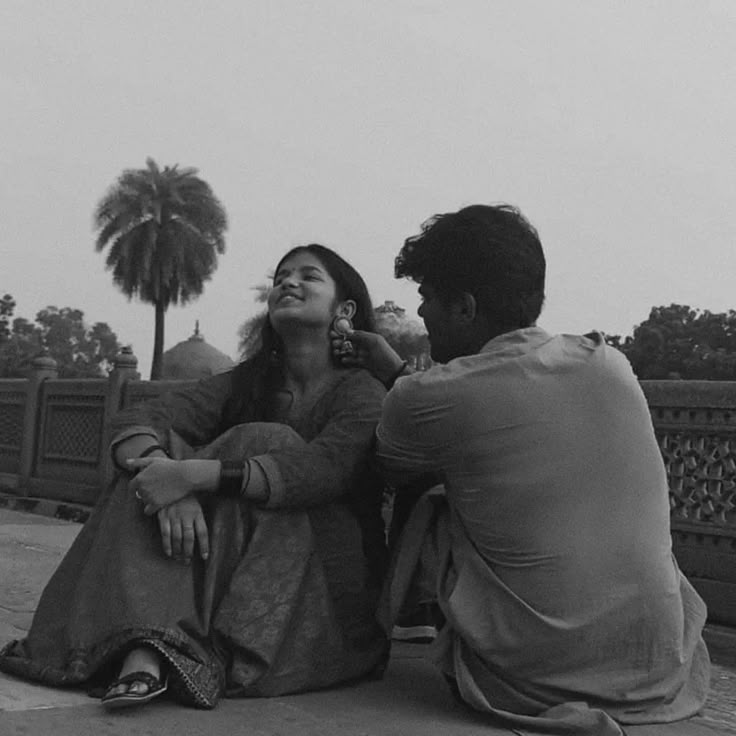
(411, 700)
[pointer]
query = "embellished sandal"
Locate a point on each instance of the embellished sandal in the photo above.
(156, 687)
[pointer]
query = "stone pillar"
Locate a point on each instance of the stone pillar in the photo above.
(42, 368)
(125, 368)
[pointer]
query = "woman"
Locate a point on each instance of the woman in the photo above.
(240, 549)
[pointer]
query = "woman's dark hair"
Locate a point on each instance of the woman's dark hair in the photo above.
(490, 251)
(258, 375)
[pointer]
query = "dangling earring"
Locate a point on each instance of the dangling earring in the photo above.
(343, 326)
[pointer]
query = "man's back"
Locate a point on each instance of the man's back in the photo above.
(562, 575)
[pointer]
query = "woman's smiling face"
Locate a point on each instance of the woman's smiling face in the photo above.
(303, 291)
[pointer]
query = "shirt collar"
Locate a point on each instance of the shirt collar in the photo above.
(517, 340)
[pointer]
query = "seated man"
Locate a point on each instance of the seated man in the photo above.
(565, 610)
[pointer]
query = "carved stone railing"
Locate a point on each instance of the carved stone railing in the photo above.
(53, 436)
(52, 431)
(695, 424)
(12, 413)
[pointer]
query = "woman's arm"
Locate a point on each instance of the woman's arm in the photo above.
(296, 473)
(327, 466)
(142, 441)
(135, 446)
(195, 414)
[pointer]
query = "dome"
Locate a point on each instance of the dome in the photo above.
(194, 358)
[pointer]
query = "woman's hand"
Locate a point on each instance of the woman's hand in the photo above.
(161, 482)
(181, 523)
(370, 351)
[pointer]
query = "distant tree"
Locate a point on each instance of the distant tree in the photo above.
(17, 352)
(165, 229)
(80, 351)
(406, 336)
(681, 342)
(7, 308)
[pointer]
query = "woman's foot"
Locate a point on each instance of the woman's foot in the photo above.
(139, 680)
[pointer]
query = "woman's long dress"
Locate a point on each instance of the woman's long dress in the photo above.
(286, 600)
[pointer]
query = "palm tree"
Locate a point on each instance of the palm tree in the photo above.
(165, 229)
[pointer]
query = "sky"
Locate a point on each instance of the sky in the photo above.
(611, 124)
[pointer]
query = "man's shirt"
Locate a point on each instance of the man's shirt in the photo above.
(561, 545)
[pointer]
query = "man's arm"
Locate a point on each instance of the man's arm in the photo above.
(412, 436)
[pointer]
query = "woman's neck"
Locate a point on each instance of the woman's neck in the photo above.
(307, 362)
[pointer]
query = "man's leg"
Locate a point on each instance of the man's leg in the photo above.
(420, 617)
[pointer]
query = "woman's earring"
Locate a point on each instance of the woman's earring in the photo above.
(343, 327)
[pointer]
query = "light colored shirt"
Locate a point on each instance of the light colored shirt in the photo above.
(562, 576)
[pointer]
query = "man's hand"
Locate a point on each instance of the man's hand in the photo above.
(161, 482)
(370, 351)
(181, 523)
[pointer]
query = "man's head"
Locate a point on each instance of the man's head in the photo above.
(481, 273)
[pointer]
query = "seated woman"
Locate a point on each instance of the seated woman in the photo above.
(240, 550)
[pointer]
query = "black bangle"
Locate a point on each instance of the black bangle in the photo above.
(151, 449)
(391, 381)
(232, 474)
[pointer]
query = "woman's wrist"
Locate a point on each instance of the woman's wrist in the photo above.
(232, 479)
(235, 481)
(201, 475)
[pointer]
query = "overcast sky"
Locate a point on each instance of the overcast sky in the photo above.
(612, 125)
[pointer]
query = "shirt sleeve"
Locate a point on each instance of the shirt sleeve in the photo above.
(328, 466)
(415, 429)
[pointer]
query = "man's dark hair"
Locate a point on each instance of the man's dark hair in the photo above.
(490, 251)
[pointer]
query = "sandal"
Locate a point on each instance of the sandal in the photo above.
(155, 685)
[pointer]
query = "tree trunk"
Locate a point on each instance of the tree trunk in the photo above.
(158, 343)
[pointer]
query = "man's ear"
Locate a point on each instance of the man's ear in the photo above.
(346, 309)
(467, 307)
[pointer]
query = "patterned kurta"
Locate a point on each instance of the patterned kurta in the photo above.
(286, 600)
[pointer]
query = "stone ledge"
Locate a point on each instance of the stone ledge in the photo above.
(44, 507)
(690, 394)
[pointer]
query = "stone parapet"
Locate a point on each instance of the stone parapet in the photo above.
(695, 424)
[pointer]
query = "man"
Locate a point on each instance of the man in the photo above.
(565, 610)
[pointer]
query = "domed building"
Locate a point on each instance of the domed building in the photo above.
(194, 358)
